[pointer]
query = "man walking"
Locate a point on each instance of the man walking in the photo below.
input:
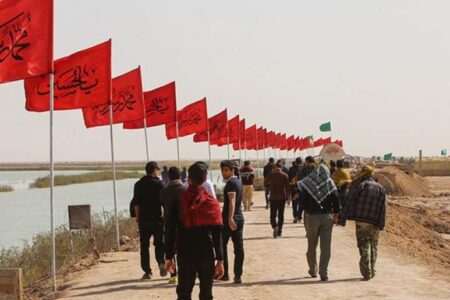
(267, 169)
(279, 194)
(169, 197)
(247, 177)
(367, 206)
(294, 177)
(233, 220)
(147, 207)
(196, 219)
(342, 179)
(320, 200)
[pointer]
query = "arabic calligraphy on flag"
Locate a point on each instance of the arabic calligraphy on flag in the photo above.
(127, 103)
(26, 39)
(191, 119)
(160, 108)
(82, 79)
(217, 130)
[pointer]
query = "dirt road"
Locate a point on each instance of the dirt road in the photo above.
(274, 269)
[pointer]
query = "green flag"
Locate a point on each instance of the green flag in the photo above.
(388, 156)
(444, 152)
(325, 127)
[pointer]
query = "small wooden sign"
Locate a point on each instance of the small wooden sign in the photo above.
(79, 217)
(11, 284)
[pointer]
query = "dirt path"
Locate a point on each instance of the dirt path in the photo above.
(274, 269)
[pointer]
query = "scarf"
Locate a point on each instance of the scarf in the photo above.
(199, 208)
(318, 184)
(365, 173)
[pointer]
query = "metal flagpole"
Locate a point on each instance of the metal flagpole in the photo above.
(178, 143)
(52, 183)
(114, 177)
(257, 161)
(209, 151)
(145, 132)
(228, 140)
(240, 151)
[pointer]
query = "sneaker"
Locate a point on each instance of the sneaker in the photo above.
(275, 232)
(366, 278)
(173, 280)
(295, 220)
(237, 280)
(312, 275)
(280, 234)
(147, 276)
(323, 278)
(162, 270)
(267, 206)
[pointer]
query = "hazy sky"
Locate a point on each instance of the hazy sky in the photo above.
(378, 70)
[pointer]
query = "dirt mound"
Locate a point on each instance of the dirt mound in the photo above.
(397, 182)
(412, 231)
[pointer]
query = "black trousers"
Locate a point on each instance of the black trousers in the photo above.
(277, 212)
(238, 244)
(297, 210)
(146, 231)
(188, 268)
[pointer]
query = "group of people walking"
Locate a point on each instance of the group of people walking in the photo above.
(191, 230)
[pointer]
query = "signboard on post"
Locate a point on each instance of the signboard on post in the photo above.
(332, 152)
(11, 284)
(79, 217)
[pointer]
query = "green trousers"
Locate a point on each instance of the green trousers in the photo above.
(319, 226)
(367, 238)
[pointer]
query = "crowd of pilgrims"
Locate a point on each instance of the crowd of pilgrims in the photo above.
(191, 229)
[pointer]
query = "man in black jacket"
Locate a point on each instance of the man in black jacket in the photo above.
(294, 177)
(149, 218)
(266, 171)
(169, 197)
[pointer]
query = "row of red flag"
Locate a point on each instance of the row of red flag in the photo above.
(83, 81)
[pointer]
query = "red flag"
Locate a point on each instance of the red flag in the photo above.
(290, 143)
(283, 142)
(160, 108)
(326, 141)
(266, 138)
(240, 145)
(260, 139)
(297, 144)
(318, 143)
(277, 139)
(82, 79)
(217, 130)
(250, 138)
(191, 119)
(271, 139)
(127, 102)
(233, 130)
(26, 39)
(242, 133)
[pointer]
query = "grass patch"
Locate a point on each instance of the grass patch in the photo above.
(35, 258)
(6, 188)
(44, 182)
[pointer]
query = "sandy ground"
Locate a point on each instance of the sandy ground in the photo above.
(274, 269)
